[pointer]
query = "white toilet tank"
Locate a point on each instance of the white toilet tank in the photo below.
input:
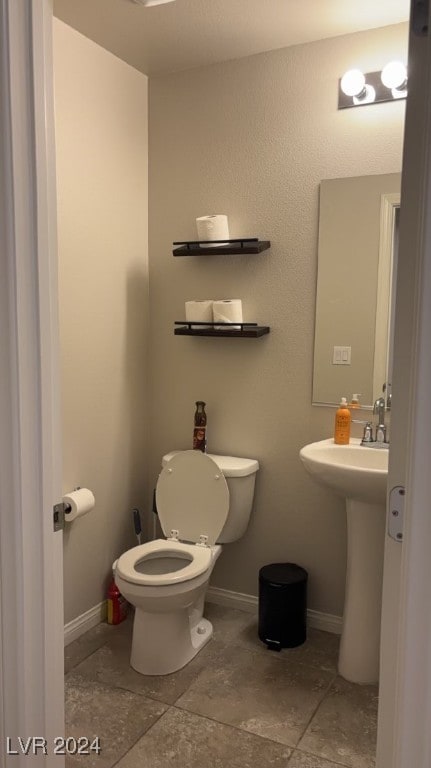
(240, 476)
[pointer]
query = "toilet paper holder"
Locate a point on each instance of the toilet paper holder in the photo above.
(60, 512)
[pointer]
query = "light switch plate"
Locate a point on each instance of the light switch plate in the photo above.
(342, 356)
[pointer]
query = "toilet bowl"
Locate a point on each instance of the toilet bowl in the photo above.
(166, 579)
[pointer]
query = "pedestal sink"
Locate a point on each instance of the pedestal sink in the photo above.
(360, 475)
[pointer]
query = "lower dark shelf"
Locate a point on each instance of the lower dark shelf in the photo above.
(245, 330)
(221, 247)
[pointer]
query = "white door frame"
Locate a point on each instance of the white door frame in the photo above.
(404, 732)
(31, 568)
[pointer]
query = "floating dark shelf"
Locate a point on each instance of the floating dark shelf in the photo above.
(225, 247)
(246, 330)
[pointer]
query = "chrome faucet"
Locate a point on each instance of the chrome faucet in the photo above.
(379, 409)
(387, 388)
(380, 439)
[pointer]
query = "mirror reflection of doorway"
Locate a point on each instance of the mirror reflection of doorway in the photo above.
(385, 304)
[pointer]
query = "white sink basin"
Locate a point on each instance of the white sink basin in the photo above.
(353, 470)
(360, 475)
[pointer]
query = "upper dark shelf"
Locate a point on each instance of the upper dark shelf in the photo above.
(224, 247)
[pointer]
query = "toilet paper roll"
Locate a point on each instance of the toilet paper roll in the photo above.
(80, 502)
(213, 227)
(228, 311)
(199, 311)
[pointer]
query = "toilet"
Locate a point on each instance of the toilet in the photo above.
(203, 501)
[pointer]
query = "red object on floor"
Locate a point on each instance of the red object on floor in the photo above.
(116, 603)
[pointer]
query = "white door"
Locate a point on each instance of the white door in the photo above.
(31, 567)
(404, 733)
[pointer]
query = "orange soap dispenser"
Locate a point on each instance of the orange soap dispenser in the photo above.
(342, 424)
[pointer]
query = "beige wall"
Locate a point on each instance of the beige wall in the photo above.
(253, 138)
(101, 127)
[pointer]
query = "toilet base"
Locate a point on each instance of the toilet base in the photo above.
(165, 642)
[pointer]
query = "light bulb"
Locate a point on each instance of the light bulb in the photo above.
(367, 95)
(394, 74)
(148, 3)
(353, 82)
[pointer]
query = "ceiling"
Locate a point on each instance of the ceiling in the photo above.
(194, 33)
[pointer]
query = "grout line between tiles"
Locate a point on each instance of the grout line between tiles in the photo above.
(314, 754)
(140, 737)
(142, 694)
(279, 657)
(328, 688)
(235, 728)
(85, 658)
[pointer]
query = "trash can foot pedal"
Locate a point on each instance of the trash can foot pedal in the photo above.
(273, 645)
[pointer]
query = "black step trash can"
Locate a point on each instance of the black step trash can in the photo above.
(282, 605)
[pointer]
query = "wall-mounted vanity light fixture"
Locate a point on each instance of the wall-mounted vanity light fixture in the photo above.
(148, 3)
(356, 89)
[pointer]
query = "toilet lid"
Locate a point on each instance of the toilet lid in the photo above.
(192, 497)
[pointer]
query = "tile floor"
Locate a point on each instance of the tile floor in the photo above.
(236, 705)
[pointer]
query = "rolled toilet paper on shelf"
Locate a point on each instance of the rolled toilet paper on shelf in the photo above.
(199, 311)
(79, 502)
(228, 311)
(213, 227)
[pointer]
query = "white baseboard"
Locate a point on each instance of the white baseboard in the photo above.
(230, 599)
(325, 621)
(83, 623)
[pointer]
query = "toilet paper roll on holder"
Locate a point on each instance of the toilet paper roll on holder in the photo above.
(67, 507)
(78, 503)
(59, 512)
(64, 511)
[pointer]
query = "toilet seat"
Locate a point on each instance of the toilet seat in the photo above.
(192, 497)
(192, 503)
(200, 562)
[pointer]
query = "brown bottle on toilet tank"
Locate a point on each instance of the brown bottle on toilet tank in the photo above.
(199, 432)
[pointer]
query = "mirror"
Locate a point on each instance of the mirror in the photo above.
(358, 235)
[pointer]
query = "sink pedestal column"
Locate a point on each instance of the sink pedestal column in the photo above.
(360, 639)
